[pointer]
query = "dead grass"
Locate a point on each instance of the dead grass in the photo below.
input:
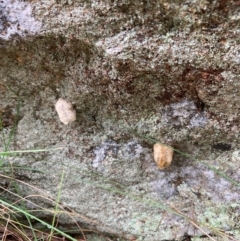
(20, 222)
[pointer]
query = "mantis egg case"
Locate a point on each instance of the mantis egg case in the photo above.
(65, 111)
(162, 155)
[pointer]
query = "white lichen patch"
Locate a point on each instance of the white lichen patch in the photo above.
(195, 179)
(16, 18)
(102, 151)
(236, 156)
(131, 150)
(184, 113)
(110, 154)
(116, 44)
(65, 111)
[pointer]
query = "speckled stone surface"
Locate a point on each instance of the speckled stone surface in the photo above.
(136, 73)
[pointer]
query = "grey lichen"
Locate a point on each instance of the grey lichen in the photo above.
(16, 18)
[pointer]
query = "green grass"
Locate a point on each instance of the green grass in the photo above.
(12, 213)
(106, 184)
(20, 211)
(16, 210)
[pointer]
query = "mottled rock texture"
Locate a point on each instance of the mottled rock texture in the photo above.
(136, 69)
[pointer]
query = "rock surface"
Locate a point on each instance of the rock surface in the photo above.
(137, 72)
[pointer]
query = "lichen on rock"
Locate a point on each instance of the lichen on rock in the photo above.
(16, 19)
(166, 70)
